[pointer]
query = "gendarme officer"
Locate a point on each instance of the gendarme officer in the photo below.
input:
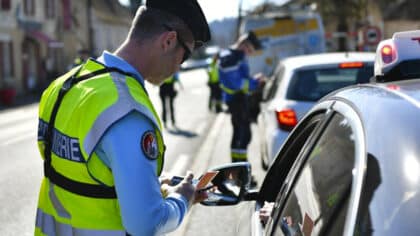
(237, 85)
(101, 139)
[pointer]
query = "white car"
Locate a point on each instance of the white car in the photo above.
(297, 84)
(350, 167)
(398, 58)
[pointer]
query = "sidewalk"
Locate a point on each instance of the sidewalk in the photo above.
(22, 100)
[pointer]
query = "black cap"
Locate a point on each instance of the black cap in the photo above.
(252, 38)
(190, 12)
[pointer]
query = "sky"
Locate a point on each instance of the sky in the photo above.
(219, 9)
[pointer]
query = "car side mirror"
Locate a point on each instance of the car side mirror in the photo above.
(231, 185)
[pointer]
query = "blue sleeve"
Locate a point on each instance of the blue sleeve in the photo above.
(143, 209)
(244, 70)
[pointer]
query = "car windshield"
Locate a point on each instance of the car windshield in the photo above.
(313, 84)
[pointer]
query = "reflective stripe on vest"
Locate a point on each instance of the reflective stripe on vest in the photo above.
(244, 89)
(122, 107)
(169, 80)
(238, 153)
(47, 225)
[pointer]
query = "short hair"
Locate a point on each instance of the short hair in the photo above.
(149, 23)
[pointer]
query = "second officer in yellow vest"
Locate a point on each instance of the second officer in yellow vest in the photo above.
(100, 136)
(215, 99)
(167, 94)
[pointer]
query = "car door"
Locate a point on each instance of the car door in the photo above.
(321, 192)
(282, 165)
(266, 117)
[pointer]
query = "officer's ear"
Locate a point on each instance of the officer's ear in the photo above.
(168, 40)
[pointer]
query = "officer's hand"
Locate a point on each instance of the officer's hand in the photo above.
(186, 188)
(200, 196)
(165, 182)
(265, 212)
(165, 179)
(165, 189)
(260, 77)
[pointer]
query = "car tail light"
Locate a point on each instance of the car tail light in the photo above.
(393, 87)
(387, 54)
(286, 119)
(349, 65)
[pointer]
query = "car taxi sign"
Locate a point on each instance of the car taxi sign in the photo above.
(402, 47)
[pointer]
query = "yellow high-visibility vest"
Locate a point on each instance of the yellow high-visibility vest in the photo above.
(86, 111)
(213, 73)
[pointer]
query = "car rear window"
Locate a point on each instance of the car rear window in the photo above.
(313, 84)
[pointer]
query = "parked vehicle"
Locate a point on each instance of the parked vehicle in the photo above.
(297, 84)
(350, 167)
(200, 59)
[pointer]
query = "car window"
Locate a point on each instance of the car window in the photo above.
(317, 203)
(286, 157)
(271, 87)
(312, 84)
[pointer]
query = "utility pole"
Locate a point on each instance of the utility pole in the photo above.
(89, 26)
(238, 26)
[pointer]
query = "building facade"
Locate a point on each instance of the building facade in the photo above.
(39, 39)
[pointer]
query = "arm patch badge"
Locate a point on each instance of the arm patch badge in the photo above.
(149, 145)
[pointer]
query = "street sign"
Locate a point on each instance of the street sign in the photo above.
(372, 35)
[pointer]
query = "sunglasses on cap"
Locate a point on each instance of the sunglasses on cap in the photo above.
(187, 51)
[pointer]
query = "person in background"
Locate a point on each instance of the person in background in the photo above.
(83, 55)
(215, 99)
(101, 139)
(167, 94)
(237, 85)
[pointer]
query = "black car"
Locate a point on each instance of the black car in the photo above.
(350, 167)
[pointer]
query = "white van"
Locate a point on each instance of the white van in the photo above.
(283, 35)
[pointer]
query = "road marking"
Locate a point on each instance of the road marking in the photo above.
(198, 91)
(180, 165)
(18, 132)
(183, 160)
(206, 150)
(201, 127)
(19, 139)
(19, 113)
(201, 162)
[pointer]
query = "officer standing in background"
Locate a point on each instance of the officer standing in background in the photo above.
(101, 138)
(215, 99)
(167, 94)
(236, 84)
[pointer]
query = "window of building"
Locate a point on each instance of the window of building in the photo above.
(6, 62)
(29, 7)
(318, 203)
(5, 4)
(50, 8)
